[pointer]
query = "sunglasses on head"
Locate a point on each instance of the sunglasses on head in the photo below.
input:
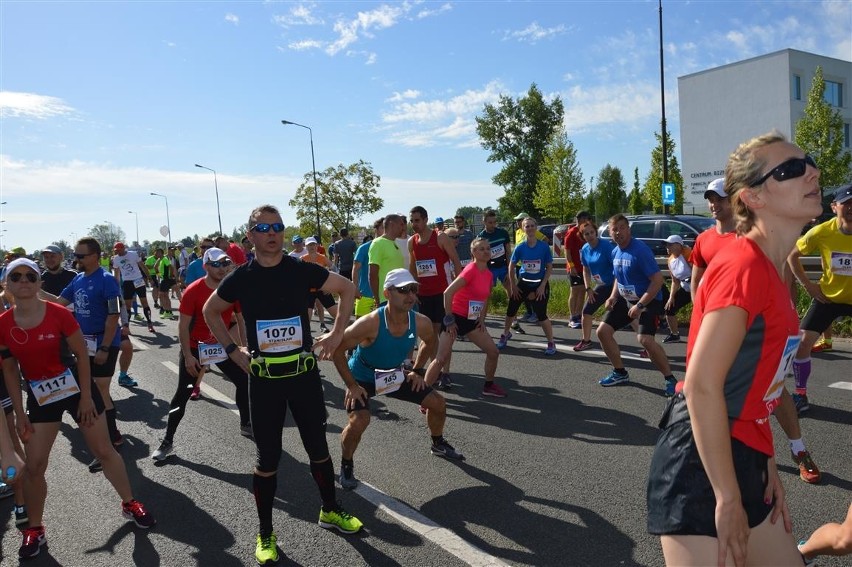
(219, 263)
(81, 256)
(790, 169)
(18, 276)
(265, 227)
(410, 288)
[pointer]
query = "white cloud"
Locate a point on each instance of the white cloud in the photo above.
(305, 44)
(467, 104)
(534, 33)
(30, 105)
(299, 15)
(168, 43)
(369, 56)
(232, 18)
(428, 13)
(586, 107)
(404, 95)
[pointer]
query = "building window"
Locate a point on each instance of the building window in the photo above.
(797, 87)
(833, 94)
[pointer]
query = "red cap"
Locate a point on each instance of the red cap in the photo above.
(118, 245)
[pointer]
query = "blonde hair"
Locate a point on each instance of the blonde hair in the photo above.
(744, 168)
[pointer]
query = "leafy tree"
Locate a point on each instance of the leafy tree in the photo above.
(635, 204)
(107, 234)
(66, 247)
(820, 133)
(346, 193)
(652, 193)
(468, 212)
(517, 133)
(610, 197)
(589, 201)
(238, 233)
(559, 193)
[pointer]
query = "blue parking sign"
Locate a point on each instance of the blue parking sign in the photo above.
(668, 193)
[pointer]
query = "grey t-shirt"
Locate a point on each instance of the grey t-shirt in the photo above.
(345, 250)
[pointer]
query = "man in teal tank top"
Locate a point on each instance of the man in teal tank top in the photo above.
(382, 341)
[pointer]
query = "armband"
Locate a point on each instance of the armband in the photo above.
(113, 306)
(231, 348)
(449, 320)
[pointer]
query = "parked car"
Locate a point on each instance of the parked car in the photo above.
(559, 238)
(654, 229)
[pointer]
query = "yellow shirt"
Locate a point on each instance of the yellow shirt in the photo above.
(521, 236)
(835, 249)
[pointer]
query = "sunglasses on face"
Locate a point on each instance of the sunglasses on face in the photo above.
(18, 276)
(219, 263)
(410, 288)
(81, 256)
(265, 227)
(790, 169)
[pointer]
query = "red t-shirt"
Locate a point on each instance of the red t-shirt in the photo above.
(474, 295)
(742, 276)
(38, 349)
(707, 245)
(194, 298)
(236, 253)
(430, 262)
(573, 243)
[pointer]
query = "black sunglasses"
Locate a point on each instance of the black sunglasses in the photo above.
(81, 256)
(265, 227)
(410, 288)
(18, 276)
(790, 169)
(219, 263)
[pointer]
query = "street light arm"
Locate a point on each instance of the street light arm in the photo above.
(314, 166)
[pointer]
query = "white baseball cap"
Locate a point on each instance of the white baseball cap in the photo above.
(213, 255)
(398, 278)
(674, 239)
(716, 186)
(310, 240)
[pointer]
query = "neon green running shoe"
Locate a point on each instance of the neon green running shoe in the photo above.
(340, 519)
(266, 552)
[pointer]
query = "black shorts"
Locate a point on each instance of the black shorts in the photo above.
(166, 284)
(820, 316)
(325, 299)
(5, 400)
(681, 298)
(432, 306)
(107, 369)
(52, 413)
(405, 393)
(128, 290)
(602, 293)
(463, 325)
(680, 498)
(576, 280)
(539, 306)
(648, 320)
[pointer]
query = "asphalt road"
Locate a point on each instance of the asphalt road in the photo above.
(555, 473)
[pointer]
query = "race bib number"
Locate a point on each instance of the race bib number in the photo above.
(139, 282)
(531, 266)
(474, 309)
(773, 392)
(49, 390)
(628, 292)
(211, 353)
(498, 251)
(91, 344)
(279, 335)
(426, 268)
(598, 280)
(389, 381)
(841, 263)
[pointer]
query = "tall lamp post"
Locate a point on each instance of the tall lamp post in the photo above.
(168, 222)
(138, 243)
(314, 165)
(216, 185)
(2, 220)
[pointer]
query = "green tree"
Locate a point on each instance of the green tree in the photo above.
(610, 196)
(559, 193)
(820, 133)
(589, 200)
(469, 211)
(65, 247)
(652, 192)
(346, 193)
(517, 133)
(107, 234)
(635, 204)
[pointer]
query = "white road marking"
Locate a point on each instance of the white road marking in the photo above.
(569, 349)
(407, 516)
(137, 344)
(841, 385)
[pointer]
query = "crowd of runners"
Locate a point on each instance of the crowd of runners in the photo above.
(415, 287)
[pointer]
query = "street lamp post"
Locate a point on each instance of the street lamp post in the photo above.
(138, 243)
(216, 185)
(314, 165)
(168, 222)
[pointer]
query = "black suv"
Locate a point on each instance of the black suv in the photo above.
(654, 229)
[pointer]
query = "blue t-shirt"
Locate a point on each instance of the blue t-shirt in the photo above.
(195, 271)
(386, 352)
(599, 261)
(633, 268)
(90, 295)
(533, 260)
(498, 240)
(362, 255)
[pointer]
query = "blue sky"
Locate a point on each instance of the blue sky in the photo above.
(102, 103)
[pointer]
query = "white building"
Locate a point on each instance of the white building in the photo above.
(724, 106)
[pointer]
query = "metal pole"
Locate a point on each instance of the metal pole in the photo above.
(314, 168)
(663, 102)
(216, 185)
(138, 242)
(168, 222)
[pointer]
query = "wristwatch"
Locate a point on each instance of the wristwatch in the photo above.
(449, 320)
(640, 305)
(103, 348)
(231, 348)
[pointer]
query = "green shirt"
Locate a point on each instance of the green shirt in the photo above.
(387, 256)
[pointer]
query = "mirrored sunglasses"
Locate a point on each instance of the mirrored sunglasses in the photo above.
(790, 169)
(265, 227)
(219, 263)
(410, 288)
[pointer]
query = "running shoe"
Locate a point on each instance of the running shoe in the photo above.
(501, 344)
(117, 440)
(672, 338)
(518, 329)
(808, 470)
(323, 328)
(805, 560)
(822, 345)
(494, 390)
(444, 449)
(34, 538)
(575, 324)
(347, 477)
(644, 354)
(166, 449)
(246, 431)
(801, 403)
(134, 510)
(127, 381)
(339, 519)
(5, 490)
(583, 345)
(137, 316)
(20, 515)
(444, 381)
(670, 388)
(151, 328)
(95, 466)
(196, 393)
(550, 350)
(266, 552)
(532, 318)
(614, 379)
